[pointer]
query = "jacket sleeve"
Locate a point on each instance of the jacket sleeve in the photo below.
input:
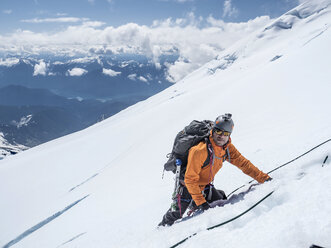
(194, 164)
(245, 165)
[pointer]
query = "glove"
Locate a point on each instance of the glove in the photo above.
(269, 179)
(204, 206)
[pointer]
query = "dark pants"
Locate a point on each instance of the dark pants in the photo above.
(183, 199)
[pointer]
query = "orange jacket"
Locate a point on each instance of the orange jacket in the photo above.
(196, 177)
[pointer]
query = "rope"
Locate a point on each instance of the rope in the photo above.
(326, 158)
(236, 217)
(315, 147)
(299, 156)
(225, 222)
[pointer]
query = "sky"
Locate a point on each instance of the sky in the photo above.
(196, 30)
(45, 15)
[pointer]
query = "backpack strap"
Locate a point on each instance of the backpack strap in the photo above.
(228, 155)
(210, 156)
(210, 151)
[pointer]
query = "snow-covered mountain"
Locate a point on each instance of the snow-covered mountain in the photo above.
(7, 149)
(103, 187)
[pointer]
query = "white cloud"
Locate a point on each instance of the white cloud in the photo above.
(229, 9)
(40, 69)
(58, 63)
(133, 76)
(238, 27)
(61, 14)
(110, 72)
(94, 24)
(58, 19)
(83, 60)
(180, 69)
(9, 62)
(195, 40)
(7, 11)
(76, 72)
(141, 78)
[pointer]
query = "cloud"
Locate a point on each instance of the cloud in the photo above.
(133, 76)
(94, 24)
(40, 69)
(229, 9)
(110, 72)
(7, 11)
(192, 39)
(58, 19)
(61, 14)
(52, 73)
(76, 72)
(83, 60)
(141, 78)
(9, 62)
(180, 69)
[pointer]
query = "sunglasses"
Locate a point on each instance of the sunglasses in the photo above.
(221, 132)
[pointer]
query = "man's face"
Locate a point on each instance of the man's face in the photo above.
(220, 139)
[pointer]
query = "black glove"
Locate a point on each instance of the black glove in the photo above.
(204, 206)
(269, 179)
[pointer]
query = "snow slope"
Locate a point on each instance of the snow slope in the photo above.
(102, 187)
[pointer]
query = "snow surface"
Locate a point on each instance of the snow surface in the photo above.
(7, 149)
(102, 187)
(23, 122)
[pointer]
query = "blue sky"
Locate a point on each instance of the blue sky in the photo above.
(46, 15)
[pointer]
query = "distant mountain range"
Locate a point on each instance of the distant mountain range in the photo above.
(106, 77)
(32, 116)
(43, 97)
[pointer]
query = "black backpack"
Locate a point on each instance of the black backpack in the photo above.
(191, 135)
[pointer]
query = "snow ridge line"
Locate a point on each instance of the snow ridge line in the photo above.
(73, 188)
(72, 239)
(225, 222)
(41, 224)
